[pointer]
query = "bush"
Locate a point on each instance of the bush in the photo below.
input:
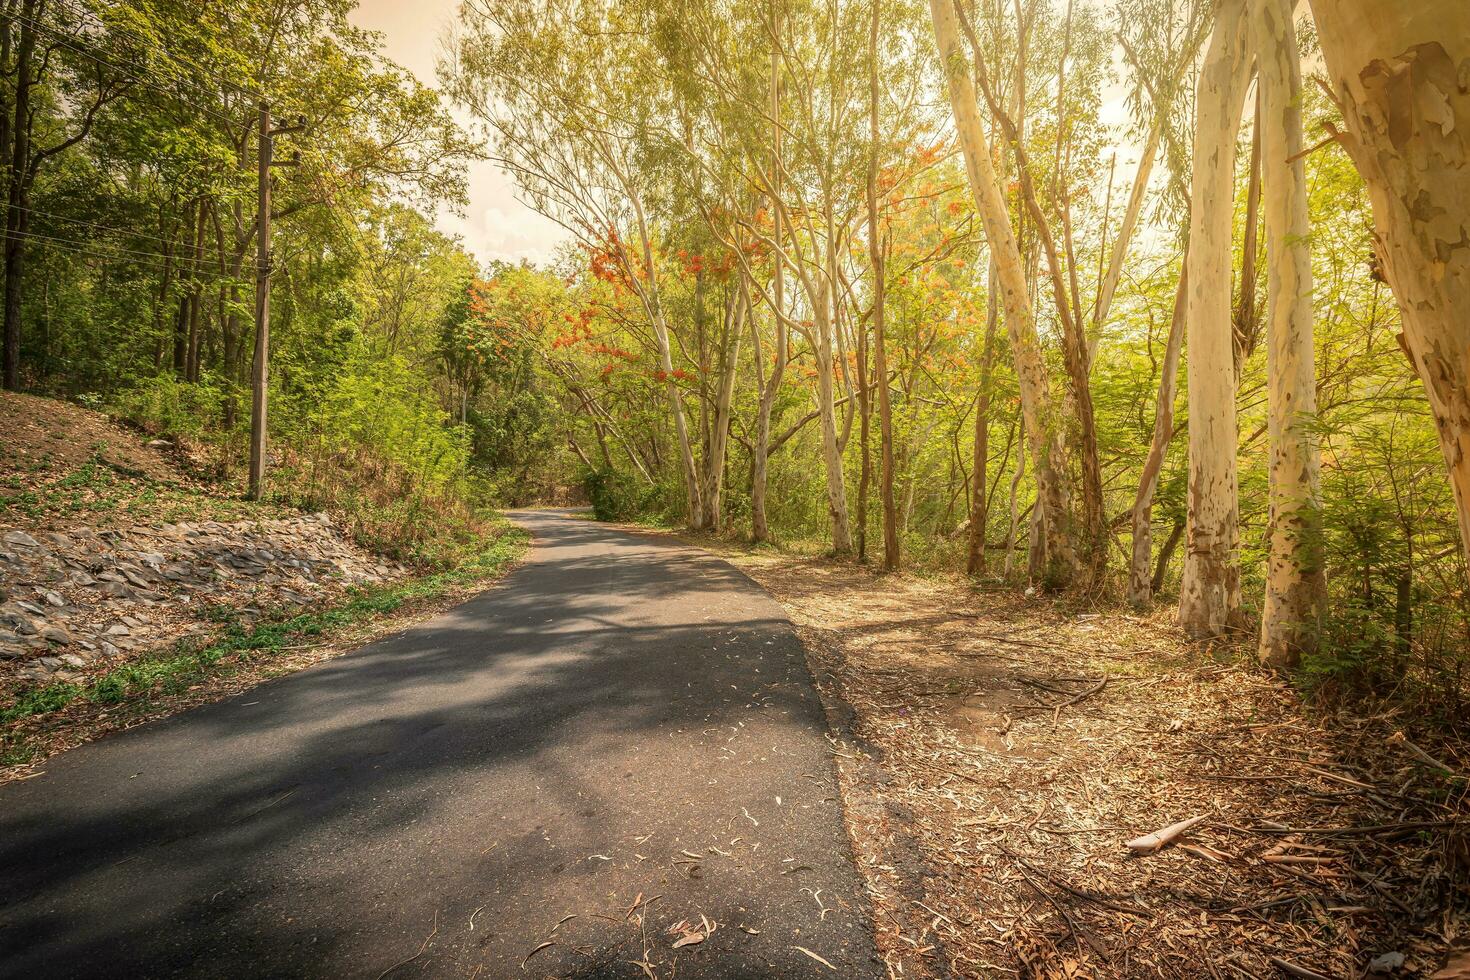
(618, 496)
(165, 405)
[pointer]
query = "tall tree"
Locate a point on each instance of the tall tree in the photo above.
(1209, 597)
(1043, 427)
(45, 55)
(1296, 587)
(879, 286)
(1399, 74)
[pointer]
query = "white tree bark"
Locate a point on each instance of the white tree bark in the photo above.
(1209, 598)
(1401, 71)
(760, 529)
(1043, 430)
(1131, 211)
(1296, 588)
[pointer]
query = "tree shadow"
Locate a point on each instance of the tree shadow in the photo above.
(555, 746)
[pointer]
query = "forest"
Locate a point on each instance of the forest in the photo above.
(976, 488)
(1171, 317)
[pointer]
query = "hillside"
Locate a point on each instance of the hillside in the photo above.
(116, 556)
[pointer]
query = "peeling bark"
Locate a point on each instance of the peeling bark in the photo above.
(1209, 597)
(1296, 588)
(1401, 72)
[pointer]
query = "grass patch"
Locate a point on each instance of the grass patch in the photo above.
(188, 663)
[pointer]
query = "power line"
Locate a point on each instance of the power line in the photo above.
(212, 252)
(6, 236)
(118, 252)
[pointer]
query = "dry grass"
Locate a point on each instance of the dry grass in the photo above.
(46, 435)
(991, 785)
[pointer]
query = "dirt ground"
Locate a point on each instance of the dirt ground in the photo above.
(39, 435)
(998, 752)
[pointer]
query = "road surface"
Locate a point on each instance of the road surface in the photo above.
(623, 719)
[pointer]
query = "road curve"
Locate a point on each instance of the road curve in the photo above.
(623, 718)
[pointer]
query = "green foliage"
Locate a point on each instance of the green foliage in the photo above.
(616, 496)
(164, 405)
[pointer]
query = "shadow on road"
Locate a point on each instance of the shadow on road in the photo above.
(551, 747)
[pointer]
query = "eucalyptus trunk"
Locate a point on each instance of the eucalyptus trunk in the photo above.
(827, 411)
(1140, 575)
(1209, 597)
(1042, 426)
(1401, 72)
(1296, 588)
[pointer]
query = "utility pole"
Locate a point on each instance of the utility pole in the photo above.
(260, 370)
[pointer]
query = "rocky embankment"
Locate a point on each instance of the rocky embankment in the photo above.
(81, 597)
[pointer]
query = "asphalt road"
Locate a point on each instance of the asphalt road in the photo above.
(435, 803)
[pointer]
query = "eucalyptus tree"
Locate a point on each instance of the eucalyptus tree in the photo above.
(1296, 588)
(1160, 63)
(1399, 74)
(1043, 423)
(1209, 599)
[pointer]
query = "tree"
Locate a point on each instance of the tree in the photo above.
(560, 100)
(1209, 597)
(86, 87)
(880, 338)
(1043, 427)
(1295, 583)
(1399, 75)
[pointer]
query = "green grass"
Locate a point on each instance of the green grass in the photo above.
(175, 670)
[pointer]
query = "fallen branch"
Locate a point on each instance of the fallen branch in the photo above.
(1086, 896)
(1078, 698)
(1297, 971)
(1149, 843)
(1418, 753)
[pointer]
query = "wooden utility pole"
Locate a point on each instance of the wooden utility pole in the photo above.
(260, 374)
(260, 370)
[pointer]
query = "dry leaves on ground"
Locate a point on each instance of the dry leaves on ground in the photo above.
(1007, 750)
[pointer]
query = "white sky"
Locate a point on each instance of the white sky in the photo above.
(495, 225)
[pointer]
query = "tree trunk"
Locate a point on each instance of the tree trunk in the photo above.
(1042, 427)
(196, 301)
(1402, 74)
(714, 464)
(1109, 282)
(979, 502)
(865, 472)
(1140, 579)
(1296, 587)
(1209, 598)
(891, 555)
(1171, 543)
(17, 218)
(827, 407)
(1014, 503)
(1246, 326)
(760, 529)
